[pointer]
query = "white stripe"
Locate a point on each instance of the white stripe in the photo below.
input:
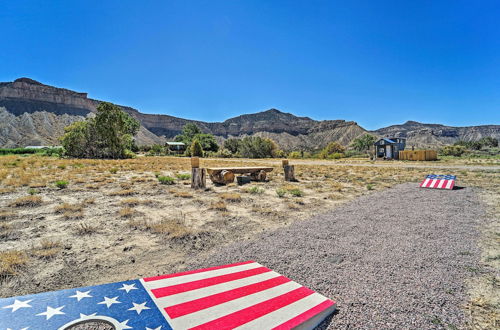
(434, 181)
(208, 291)
(425, 183)
(441, 184)
(163, 312)
(284, 314)
(198, 276)
(448, 185)
(212, 313)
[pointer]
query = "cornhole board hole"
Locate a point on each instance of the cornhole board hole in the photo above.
(439, 181)
(243, 295)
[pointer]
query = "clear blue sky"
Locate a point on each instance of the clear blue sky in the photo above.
(374, 62)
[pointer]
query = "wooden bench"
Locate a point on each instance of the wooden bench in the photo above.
(225, 175)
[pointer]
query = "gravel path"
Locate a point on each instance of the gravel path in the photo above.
(395, 259)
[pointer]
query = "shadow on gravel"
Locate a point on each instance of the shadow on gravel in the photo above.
(326, 322)
(458, 188)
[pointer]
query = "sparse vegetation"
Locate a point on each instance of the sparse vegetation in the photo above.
(255, 190)
(11, 262)
(47, 249)
(126, 212)
(280, 192)
(61, 184)
(27, 201)
(168, 180)
(231, 197)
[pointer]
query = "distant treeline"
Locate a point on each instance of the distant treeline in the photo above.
(49, 151)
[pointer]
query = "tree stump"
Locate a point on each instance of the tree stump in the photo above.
(222, 177)
(198, 178)
(289, 173)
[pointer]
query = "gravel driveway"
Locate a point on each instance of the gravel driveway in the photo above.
(395, 259)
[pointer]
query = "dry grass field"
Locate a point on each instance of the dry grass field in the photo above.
(72, 222)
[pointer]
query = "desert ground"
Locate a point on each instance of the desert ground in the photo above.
(115, 221)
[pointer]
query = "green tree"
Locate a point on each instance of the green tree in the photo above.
(257, 147)
(489, 142)
(207, 141)
(189, 131)
(363, 143)
(196, 149)
(108, 135)
(232, 145)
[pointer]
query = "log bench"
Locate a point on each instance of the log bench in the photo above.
(225, 175)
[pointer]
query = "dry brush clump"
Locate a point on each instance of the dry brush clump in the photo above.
(123, 192)
(127, 212)
(231, 197)
(47, 249)
(85, 229)
(11, 262)
(27, 201)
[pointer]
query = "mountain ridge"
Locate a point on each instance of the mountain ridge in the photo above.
(47, 108)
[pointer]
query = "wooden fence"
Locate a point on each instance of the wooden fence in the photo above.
(418, 155)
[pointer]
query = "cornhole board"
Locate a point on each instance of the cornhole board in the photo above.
(440, 181)
(243, 295)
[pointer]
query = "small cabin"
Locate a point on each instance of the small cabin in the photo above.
(176, 147)
(389, 148)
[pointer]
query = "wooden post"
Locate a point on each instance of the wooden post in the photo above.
(284, 162)
(198, 175)
(195, 162)
(198, 178)
(289, 173)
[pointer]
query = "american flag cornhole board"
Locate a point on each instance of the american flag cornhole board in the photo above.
(439, 181)
(243, 295)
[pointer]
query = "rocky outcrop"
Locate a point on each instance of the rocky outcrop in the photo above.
(435, 135)
(36, 114)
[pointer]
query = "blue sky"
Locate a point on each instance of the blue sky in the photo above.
(374, 62)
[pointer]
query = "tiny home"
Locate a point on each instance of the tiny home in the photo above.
(389, 148)
(176, 147)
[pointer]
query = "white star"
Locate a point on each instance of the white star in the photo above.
(159, 328)
(139, 307)
(123, 325)
(20, 329)
(52, 311)
(109, 301)
(80, 295)
(18, 304)
(128, 287)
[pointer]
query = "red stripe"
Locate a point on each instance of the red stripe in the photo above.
(431, 181)
(251, 313)
(188, 286)
(301, 318)
(220, 298)
(155, 278)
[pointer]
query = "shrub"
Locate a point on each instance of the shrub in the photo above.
(332, 150)
(191, 132)
(280, 192)
(255, 190)
(166, 179)
(61, 184)
(113, 170)
(183, 176)
(296, 192)
(295, 154)
(219, 206)
(369, 186)
(455, 150)
(257, 147)
(195, 149)
(33, 191)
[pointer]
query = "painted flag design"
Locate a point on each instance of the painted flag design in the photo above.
(244, 295)
(439, 181)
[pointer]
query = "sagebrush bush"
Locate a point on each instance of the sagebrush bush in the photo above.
(164, 179)
(61, 184)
